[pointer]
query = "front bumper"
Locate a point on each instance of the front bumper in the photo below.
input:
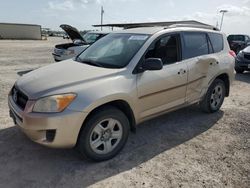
(58, 130)
(58, 57)
(242, 64)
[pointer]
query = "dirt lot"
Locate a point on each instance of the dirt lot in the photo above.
(186, 148)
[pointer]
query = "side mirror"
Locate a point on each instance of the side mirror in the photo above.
(152, 64)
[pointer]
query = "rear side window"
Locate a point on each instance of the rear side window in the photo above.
(195, 44)
(217, 41)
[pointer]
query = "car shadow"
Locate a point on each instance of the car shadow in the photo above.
(33, 165)
(245, 77)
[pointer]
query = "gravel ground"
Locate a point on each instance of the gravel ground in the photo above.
(186, 148)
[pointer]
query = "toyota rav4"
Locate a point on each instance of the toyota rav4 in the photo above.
(123, 79)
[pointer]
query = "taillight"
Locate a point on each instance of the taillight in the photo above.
(232, 53)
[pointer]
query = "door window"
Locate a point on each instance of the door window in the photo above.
(217, 41)
(195, 44)
(166, 49)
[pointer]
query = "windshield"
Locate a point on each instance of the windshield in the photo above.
(114, 50)
(236, 38)
(90, 38)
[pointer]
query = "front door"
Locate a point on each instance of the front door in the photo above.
(163, 89)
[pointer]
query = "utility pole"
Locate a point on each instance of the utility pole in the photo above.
(222, 17)
(102, 12)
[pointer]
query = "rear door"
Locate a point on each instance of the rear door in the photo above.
(195, 53)
(163, 89)
(201, 60)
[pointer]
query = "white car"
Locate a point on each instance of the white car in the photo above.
(79, 43)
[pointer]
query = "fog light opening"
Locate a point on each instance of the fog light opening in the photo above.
(50, 135)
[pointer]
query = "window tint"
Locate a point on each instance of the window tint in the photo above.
(230, 38)
(235, 38)
(217, 41)
(195, 44)
(166, 49)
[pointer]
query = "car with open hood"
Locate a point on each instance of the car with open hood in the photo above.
(79, 42)
(92, 102)
(242, 62)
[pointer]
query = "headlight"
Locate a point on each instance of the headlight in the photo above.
(240, 54)
(55, 103)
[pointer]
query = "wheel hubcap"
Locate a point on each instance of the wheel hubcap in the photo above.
(216, 97)
(105, 136)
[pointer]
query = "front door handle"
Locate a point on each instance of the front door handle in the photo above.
(182, 71)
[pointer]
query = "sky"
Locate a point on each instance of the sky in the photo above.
(82, 14)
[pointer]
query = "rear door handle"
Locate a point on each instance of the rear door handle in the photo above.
(182, 71)
(214, 63)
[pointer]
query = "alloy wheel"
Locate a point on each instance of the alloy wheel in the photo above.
(105, 136)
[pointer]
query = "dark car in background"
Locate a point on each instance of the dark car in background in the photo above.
(242, 62)
(238, 42)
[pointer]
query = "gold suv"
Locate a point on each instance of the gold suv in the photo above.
(129, 76)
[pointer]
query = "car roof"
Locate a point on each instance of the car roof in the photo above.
(153, 30)
(141, 30)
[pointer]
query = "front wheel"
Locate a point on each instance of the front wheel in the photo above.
(104, 134)
(214, 97)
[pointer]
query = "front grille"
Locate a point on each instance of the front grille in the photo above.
(19, 97)
(247, 56)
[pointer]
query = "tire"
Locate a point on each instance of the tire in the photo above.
(239, 70)
(214, 97)
(104, 134)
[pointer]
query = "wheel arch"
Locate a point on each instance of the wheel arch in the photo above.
(119, 104)
(225, 78)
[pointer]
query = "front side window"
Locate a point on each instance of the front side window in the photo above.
(217, 41)
(195, 44)
(166, 49)
(114, 50)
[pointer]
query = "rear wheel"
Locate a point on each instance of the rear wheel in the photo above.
(214, 97)
(104, 134)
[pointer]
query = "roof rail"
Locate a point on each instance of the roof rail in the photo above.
(187, 23)
(194, 26)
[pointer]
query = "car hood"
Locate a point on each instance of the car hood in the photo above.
(59, 77)
(72, 32)
(246, 50)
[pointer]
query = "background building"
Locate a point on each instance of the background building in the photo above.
(20, 31)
